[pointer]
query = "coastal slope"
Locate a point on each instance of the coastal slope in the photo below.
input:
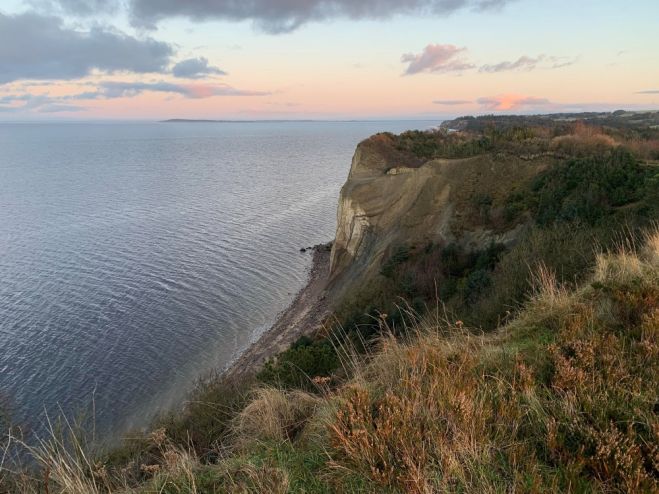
(392, 198)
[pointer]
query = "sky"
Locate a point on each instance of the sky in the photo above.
(323, 59)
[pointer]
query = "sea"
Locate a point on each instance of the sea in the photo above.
(136, 258)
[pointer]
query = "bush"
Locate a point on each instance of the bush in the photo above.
(562, 400)
(297, 366)
(587, 189)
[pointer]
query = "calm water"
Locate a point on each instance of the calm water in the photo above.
(135, 257)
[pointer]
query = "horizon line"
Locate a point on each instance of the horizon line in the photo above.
(320, 119)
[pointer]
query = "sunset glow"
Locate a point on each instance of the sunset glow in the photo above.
(329, 60)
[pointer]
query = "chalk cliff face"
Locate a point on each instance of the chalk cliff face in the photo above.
(393, 198)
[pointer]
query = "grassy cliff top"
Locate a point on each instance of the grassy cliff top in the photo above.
(569, 134)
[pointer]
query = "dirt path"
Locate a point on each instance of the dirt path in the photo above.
(302, 317)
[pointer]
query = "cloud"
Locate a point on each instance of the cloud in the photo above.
(511, 102)
(55, 108)
(436, 58)
(522, 63)
(560, 62)
(41, 103)
(44, 103)
(279, 16)
(447, 58)
(195, 68)
(11, 98)
(648, 91)
(78, 8)
(118, 89)
(34, 46)
(452, 102)
(529, 63)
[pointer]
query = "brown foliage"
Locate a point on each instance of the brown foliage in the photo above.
(580, 410)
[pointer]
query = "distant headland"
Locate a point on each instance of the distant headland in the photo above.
(186, 120)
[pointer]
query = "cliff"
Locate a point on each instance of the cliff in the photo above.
(393, 198)
(482, 181)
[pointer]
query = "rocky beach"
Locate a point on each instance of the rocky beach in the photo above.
(302, 317)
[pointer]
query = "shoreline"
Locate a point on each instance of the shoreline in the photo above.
(302, 317)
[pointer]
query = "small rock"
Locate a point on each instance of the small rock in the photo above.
(303, 250)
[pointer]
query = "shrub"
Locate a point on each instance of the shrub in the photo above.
(206, 418)
(571, 407)
(273, 415)
(297, 366)
(588, 189)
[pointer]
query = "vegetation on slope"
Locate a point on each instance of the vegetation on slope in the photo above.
(567, 213)
(566, 135)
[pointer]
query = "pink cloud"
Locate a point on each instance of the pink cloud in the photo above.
(200, 90)
(438, 59)
(506, 102)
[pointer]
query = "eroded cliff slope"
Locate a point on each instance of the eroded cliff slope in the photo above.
(393, 197)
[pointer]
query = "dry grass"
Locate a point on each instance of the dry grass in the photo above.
(402, 434)
(650, 250)
(630, 261)
(461, 415)
(251, 479)
(645, 149)
(178, 469)
(429, 425)
(66, 463)
(274, 415)
(549, 297)
(14, 479)
(584, 144)
(588, 139)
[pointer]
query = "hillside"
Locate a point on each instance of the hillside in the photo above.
(467, 215)
(494, 289)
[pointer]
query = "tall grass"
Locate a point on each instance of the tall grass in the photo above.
(567, 406)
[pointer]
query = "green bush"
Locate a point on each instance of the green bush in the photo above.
(587, 189)
(297, 366)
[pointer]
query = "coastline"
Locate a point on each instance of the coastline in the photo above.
(302, 317)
